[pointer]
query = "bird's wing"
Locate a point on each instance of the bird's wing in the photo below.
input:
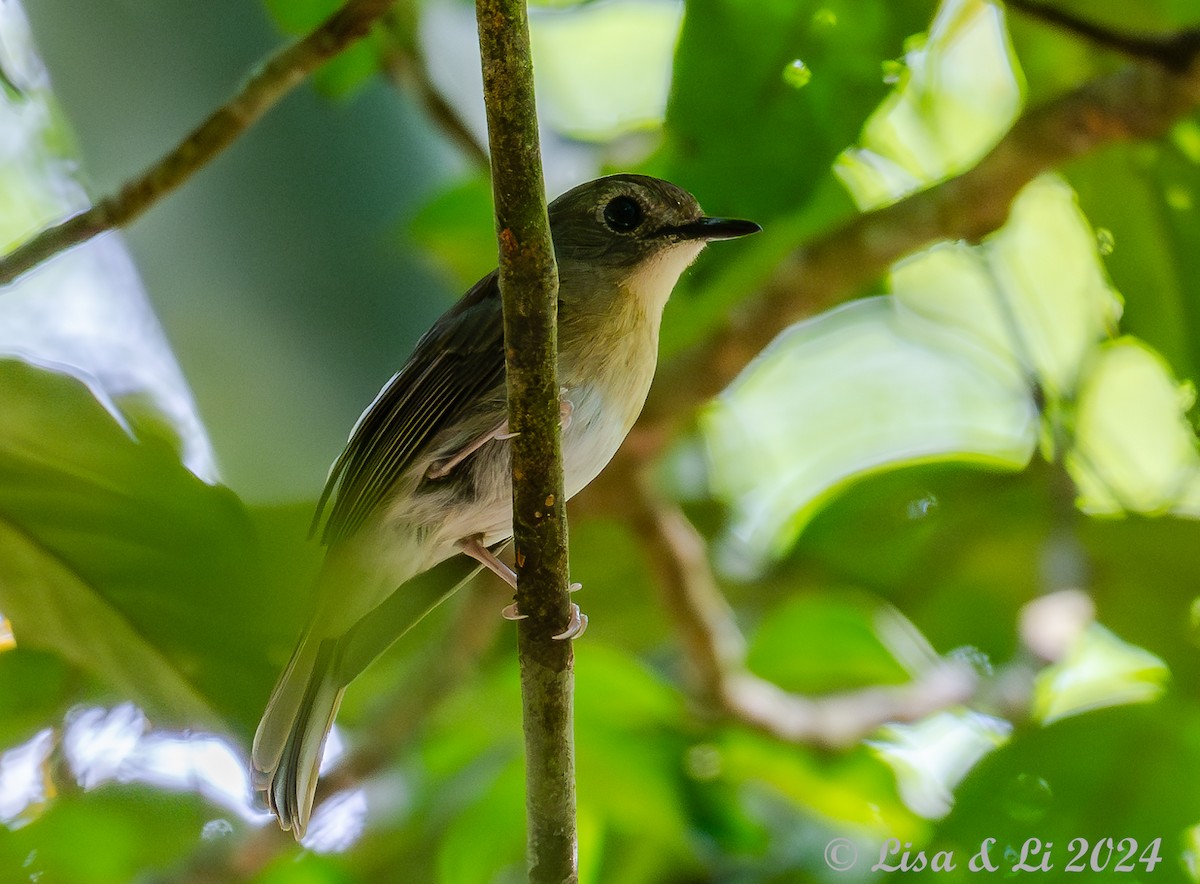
(458, 360)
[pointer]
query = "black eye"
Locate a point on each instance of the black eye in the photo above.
(623, 213)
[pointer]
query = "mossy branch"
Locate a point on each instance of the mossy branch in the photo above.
(529, 287)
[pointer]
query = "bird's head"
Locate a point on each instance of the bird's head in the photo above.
(632, 233)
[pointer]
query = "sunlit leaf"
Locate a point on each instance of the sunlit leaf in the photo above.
(959, 91)
(818, 643)
(1034, 293)
(1134, 450)
(931, 757)
(855, 791)
(781, 444)
(603, 69)
(1099, 670)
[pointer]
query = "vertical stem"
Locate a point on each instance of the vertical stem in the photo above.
(529, 287)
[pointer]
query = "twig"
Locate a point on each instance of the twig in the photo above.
(716, 650)
(279, 75)
(1175, 51)
(1141, 101)
(404, 64)
(529, 287)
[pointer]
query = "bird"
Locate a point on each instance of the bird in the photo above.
(426, 473)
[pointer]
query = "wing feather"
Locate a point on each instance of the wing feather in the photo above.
(457, 361)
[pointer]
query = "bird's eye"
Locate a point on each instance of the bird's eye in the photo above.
(623, 213)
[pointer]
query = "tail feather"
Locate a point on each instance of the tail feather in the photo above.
(291, 737)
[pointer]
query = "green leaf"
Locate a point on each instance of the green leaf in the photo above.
(957, 94)
(101, 837)
(1134, 448)
(1034, 293)
(457, 230)
(121, 561)
(33, 691)
(1099, 670)
(301, 16)
(855, 790)
(823, 642)
(54, 609)
(887, 397)
(730, 87)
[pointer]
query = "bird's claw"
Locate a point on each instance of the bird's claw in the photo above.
(575, 627)
(510, 612)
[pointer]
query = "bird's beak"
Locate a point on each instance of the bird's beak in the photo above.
(713, 228)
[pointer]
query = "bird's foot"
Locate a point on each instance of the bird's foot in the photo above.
(575, 627)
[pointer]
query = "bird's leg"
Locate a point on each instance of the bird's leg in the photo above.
(480, 553)
(438, 471)
(500, 434)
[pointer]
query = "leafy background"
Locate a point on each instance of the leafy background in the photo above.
(990, 462)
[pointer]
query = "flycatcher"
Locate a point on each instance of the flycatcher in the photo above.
(426, 473)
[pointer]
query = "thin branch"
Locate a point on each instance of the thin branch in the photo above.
(529, 287)
(1174, 50)
(280, 74)
(1139, 102)
(404, 64)
(716, 650)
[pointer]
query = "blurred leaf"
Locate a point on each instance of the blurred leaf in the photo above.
(301, 16)
(958, 91)
(855, 790)
(1099, 670)
(486, 841)
(1093, 774)
(1034, 292)
(823, 642)
(105, 836)
(731, 86)
(1145, 198)
(122, 561)
(33, 691)
(351, 68)
(888, 397)
(1134, 451)
(456, 228)
(603, 69)
(931, 756)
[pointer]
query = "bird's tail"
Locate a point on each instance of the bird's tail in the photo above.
(291, 737)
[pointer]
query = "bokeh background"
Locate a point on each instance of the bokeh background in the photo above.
(925, 571)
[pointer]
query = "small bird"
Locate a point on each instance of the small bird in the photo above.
(426, 473)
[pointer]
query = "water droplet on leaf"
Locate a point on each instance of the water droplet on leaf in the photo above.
(216, 829)
(893, 71)
(1105, 241)
(1027, 798)
(824, 18)
(922, 506)
(797, 74)
(975, 658)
